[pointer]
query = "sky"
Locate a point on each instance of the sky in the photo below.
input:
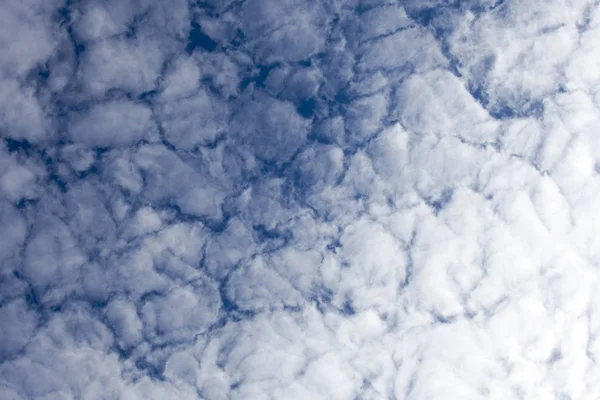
(299, 199)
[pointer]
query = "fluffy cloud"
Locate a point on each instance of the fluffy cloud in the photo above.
(287, 199)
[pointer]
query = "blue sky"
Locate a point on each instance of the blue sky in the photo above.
(281, 199)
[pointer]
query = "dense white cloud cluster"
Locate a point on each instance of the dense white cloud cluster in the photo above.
(291, 199)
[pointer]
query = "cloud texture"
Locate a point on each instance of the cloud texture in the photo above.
(284, 199)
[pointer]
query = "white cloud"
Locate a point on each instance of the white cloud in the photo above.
(18, 180)
(183, 80)
(256, 286)
(180, 314)
(125, 322)
(22, 115)
(270, 128)
(197, 120)
(516, 52)
(119, 123)
(119, 64)
(410, 49)
(437, 103)
(27, 35)
(325, 200)
(17, 329)
(97, 21)
(14, 231)
(383, 20)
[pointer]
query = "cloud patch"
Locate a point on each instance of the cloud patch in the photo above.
(283, 199)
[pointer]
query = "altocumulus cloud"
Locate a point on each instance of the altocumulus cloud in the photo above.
(289, 199)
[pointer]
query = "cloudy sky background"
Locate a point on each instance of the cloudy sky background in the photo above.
(312, 199)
